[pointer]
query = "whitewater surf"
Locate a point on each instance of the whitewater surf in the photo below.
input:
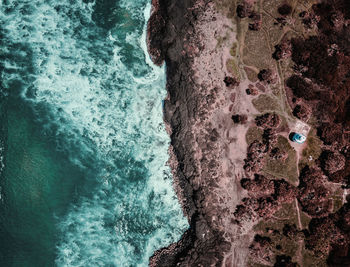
(84, 180)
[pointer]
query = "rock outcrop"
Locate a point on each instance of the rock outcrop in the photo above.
(206, 158)
(172, 38)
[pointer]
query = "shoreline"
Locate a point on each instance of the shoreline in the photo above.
(170, 256)
(207, 242)
(240, 81)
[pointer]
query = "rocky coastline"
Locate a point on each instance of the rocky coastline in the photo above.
(251, 196)
(172, 38)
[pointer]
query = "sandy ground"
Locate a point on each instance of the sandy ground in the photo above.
(230, 150)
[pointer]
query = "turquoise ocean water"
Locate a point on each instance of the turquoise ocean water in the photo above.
(82, 142)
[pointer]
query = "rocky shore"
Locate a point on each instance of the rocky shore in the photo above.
(242, 75)
(176, 38)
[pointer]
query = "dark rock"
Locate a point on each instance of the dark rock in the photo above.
(170, 256)
(156, 33)
(323, 84)
(170, 38)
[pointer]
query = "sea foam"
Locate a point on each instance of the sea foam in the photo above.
(91, 83)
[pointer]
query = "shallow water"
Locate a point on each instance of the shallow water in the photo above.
(83, 145)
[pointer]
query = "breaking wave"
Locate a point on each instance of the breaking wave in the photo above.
(83, 67)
